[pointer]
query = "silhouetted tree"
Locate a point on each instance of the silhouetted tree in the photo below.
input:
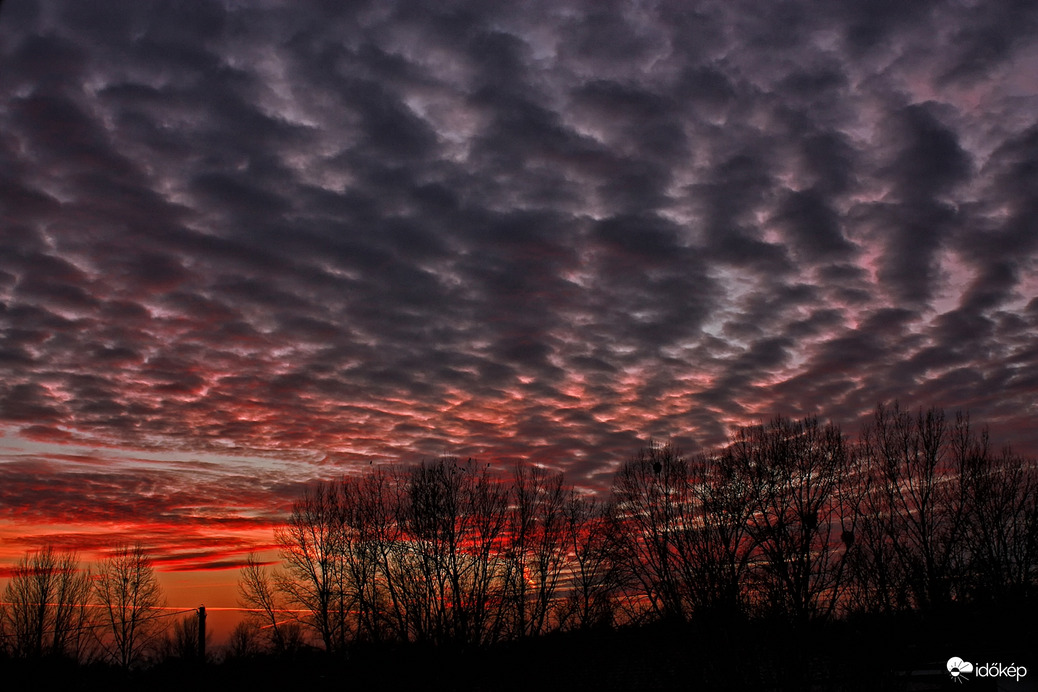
(45, 609)
(244, 641)
(653, 510)
(370, 535)
(919, 498)
(447, 569)
(129, 597)
(792, 473)
(181, 639)
(719, 544)
(1001, 526)
(878, 581)
(787, 519)
(273, 627)
(315, 578)
(536, 553)
(593, 578)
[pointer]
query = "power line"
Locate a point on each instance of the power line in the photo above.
(82, 628)
(177, 608)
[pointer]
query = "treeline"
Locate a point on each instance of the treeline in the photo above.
(789, 527)
(54, 610)
(789, 522)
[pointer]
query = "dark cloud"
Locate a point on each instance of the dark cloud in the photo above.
(331, 234)
(987, 39)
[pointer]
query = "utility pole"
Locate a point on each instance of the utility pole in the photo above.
(201, 633)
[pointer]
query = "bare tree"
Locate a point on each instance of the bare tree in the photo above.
(1001, 530)
(537, 549)
(181, 639)
(786, 519)
(379, 553)
(920, 499)
(653, 508)
(258, 591)
(312, 552)
(718, 545)
(447, 569)
(793, 472)
(129, 597)
(409, 556)
(593, 578)
(369, 533)
(878, 579)
(45, 611)
(244, 641)
(682, 528)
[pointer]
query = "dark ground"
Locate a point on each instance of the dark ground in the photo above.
(907, 652)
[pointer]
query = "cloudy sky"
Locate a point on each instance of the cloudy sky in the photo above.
(246, 244)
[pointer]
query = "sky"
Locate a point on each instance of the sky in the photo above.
(245, 245)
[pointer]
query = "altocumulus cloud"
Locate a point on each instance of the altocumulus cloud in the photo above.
(327, 233)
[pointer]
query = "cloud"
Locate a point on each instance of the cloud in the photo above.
(382, 232)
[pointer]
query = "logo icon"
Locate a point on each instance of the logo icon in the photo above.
(958, 668)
